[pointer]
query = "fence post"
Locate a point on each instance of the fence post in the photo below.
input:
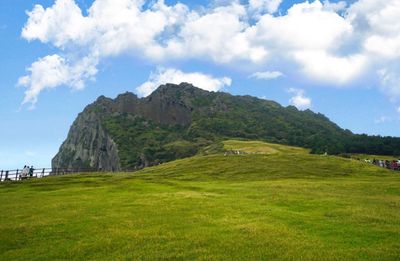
(1, 176)
(6, 175)
(16, 175)
(43, 173)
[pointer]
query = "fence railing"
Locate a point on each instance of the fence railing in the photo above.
(19, 174)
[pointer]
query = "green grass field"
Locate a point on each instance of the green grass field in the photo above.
(274, 203)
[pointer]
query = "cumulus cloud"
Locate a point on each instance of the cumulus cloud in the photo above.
(110, 28)
(378, 30)
(378, 21)
(305, 26)
(219, 35)
(60, 24)
(52, 71)
(325, 67)
(163, 76)
(330, 42)
(310, 35)
(299, 99)
(267, 75)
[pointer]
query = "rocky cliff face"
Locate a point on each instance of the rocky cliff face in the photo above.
(89, 144)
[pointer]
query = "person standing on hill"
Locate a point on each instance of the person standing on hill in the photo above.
(31, 169)
(382, 163)
(24, 173)
(387, 164)
(394, 165)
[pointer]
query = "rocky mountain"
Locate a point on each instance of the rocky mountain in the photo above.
(177, 121)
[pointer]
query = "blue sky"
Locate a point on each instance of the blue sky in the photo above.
(337, 58)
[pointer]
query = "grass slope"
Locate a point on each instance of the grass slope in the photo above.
(286, 205)
(260, 147)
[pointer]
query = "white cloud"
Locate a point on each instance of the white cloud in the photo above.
(328, 68)
(52, 71)
(329, 42)
(110, 28)
(386, 47)
(398, 109)
(379, 22)
(218, 35)
(163, 76)
(61, 24)
(267, 75)
(310, 35)
(299, 99)
(306, 26)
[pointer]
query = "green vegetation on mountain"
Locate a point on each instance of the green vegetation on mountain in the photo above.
(178, 121)
(271, 202)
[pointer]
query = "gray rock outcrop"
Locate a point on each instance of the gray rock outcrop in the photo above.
(88, 146)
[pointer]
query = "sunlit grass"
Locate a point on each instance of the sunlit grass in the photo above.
(262, 206)
(260, 147)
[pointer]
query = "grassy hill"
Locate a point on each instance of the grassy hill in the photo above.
(271, 202)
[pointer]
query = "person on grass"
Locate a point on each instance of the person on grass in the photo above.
(25, 172)
(31, 169)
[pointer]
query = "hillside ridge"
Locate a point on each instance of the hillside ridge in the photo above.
(178, 121)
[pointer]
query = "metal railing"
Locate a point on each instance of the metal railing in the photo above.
(18, 174)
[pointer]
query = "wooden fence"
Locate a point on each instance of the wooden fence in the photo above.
(16, 175)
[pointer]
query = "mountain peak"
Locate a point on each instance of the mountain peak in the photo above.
(177, 89)
(181, 120)
(126, 99)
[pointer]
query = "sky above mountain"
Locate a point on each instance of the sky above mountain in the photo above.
(339, 58)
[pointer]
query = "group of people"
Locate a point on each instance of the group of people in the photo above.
(27, 172)
(389, 164)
